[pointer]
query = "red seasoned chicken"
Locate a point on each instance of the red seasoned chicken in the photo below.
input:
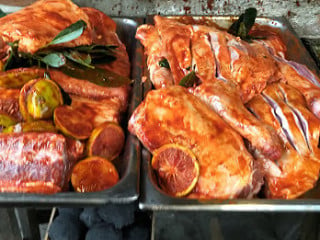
(224, 99)
(159, 76)
(283, 98)
(172, 115)
(297, 170)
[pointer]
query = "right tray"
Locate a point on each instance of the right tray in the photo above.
(153, 198)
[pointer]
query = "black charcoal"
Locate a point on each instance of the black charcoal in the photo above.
(90, 217)
(65, 227)
(118, 215)
(70, 211)
(103, 231)
(137, 232)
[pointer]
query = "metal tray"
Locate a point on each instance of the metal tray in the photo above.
(153, 198)
(128, 164)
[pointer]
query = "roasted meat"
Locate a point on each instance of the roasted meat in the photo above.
(224, 99)
(38, 161)
(160, 76)
(273, 103)
(36, 25)
(172, 115)
(97, 112)
(34, 162)
(297, 170)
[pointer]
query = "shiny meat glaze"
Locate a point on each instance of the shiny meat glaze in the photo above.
(37, 24)
(297, 170)
(172, 115)
(97, 112)
(9, 102)
(28, 159)
(212, 53)
(282, 125)
(149, 37)
(90, 90)
(176, 39)
(104, 31)
(224, 99)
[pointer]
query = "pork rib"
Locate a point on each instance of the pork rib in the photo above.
(36, 25)
(172, 115)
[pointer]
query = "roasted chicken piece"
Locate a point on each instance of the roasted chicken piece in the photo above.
(159, 76)
(224, 99)
(212, 52)
(176, 39)
(301, 78)
(297, 170)
(173, 115)
(203, 57)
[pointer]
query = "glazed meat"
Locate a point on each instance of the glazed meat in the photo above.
(84, 88)
(32, 162)
(211, 53)
(36, 25)
(273, 103)
(224, 99)
(97, 112)
(159, 76)
(297, 170)
(35, 160)
(226, 168)
(176, 38)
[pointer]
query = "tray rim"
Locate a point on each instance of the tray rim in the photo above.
(153, 198)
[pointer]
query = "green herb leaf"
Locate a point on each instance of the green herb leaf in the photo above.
(188, 80)
(99, 76)
(55, 60)
(83, 59)
(70, 33)
(2, 13)
(164, 63)
(243, 25)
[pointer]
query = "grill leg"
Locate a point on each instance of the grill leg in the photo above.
(27, 223)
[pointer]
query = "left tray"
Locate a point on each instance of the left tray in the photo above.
(128, 164)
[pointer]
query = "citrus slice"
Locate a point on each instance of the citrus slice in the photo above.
(106, 141)
(94, 174)
(177, 169)
(71, 122)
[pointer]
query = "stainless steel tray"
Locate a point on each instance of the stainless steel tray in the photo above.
(128, 164)
(153, 198)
